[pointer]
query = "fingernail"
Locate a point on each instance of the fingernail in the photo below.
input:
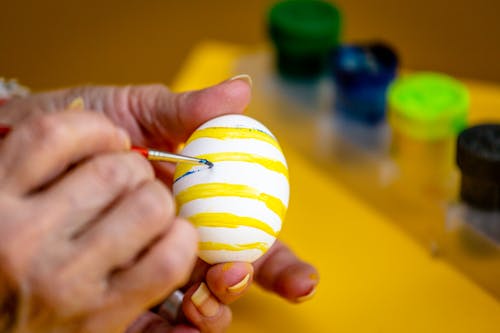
(307, 296)
(76, 104)
(204, 301)
(238, 287)
(244, 77)
(125, 137)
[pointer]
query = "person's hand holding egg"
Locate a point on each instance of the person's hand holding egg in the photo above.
(158, 118)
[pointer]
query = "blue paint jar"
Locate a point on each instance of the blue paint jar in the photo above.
(362, 74)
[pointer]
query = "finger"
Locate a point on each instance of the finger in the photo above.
(153, 323)
(165, 115)
(204, 311)
(40, 149)
(93, 186)
(175, 116)
(128, 228)
(229, 281)
(199, 273)
(162, 269)
(152, 114)
(279, 270)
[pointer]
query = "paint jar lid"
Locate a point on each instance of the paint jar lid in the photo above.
(478, 157)
(362, 74)
(428, 106)
(304, 30)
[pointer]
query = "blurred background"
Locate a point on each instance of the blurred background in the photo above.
(385, 162)
(48, 44)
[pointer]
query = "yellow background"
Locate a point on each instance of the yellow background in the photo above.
(373, 277)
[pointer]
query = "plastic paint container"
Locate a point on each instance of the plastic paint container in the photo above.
(426, 113)
(472, 237)
(478, 157)
(304, 32)
(362, 74)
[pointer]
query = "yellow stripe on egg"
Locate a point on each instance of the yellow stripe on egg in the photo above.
(210, 246)
(227, 220)
(267, 163)
(211, 190)
(225, 133)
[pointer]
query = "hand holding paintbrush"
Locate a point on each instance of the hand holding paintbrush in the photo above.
(95, 228)
(150, 154)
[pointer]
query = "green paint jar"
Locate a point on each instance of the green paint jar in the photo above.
(426, 113)
(304, 32)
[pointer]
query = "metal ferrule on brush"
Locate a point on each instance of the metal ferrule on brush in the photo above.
(155, 155)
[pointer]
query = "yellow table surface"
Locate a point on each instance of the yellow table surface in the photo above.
(373, 277)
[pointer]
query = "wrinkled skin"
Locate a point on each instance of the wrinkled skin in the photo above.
(88, 234)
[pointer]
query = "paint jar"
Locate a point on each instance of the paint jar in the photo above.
(426, 113)
(472, 235)
(362, 74)
(291, 89)
(303, 33)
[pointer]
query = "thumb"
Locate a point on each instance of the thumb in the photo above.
(174, 116)
(152, 114)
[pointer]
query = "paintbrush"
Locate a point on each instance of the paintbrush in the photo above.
(150, 154)
(169, 309)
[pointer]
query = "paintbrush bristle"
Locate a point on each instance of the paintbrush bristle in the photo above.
(207, 162)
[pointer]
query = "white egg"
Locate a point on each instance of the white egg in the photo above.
(239, 204)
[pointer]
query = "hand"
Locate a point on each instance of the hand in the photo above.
(156, 117)
(88, 237)
(152, 115)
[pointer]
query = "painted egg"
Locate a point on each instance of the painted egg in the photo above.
(239, 204)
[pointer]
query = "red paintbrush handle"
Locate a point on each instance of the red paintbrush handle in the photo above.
(143, 151)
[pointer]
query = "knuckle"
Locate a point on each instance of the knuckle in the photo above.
(227, 318)
(109, 171)
(146, 96)
(189, 254)
(46, 129)
(182, 257)
(174, 266)
(220, 322)
(156, 90)
(139, 164)
(121, 170)
(154, 203)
